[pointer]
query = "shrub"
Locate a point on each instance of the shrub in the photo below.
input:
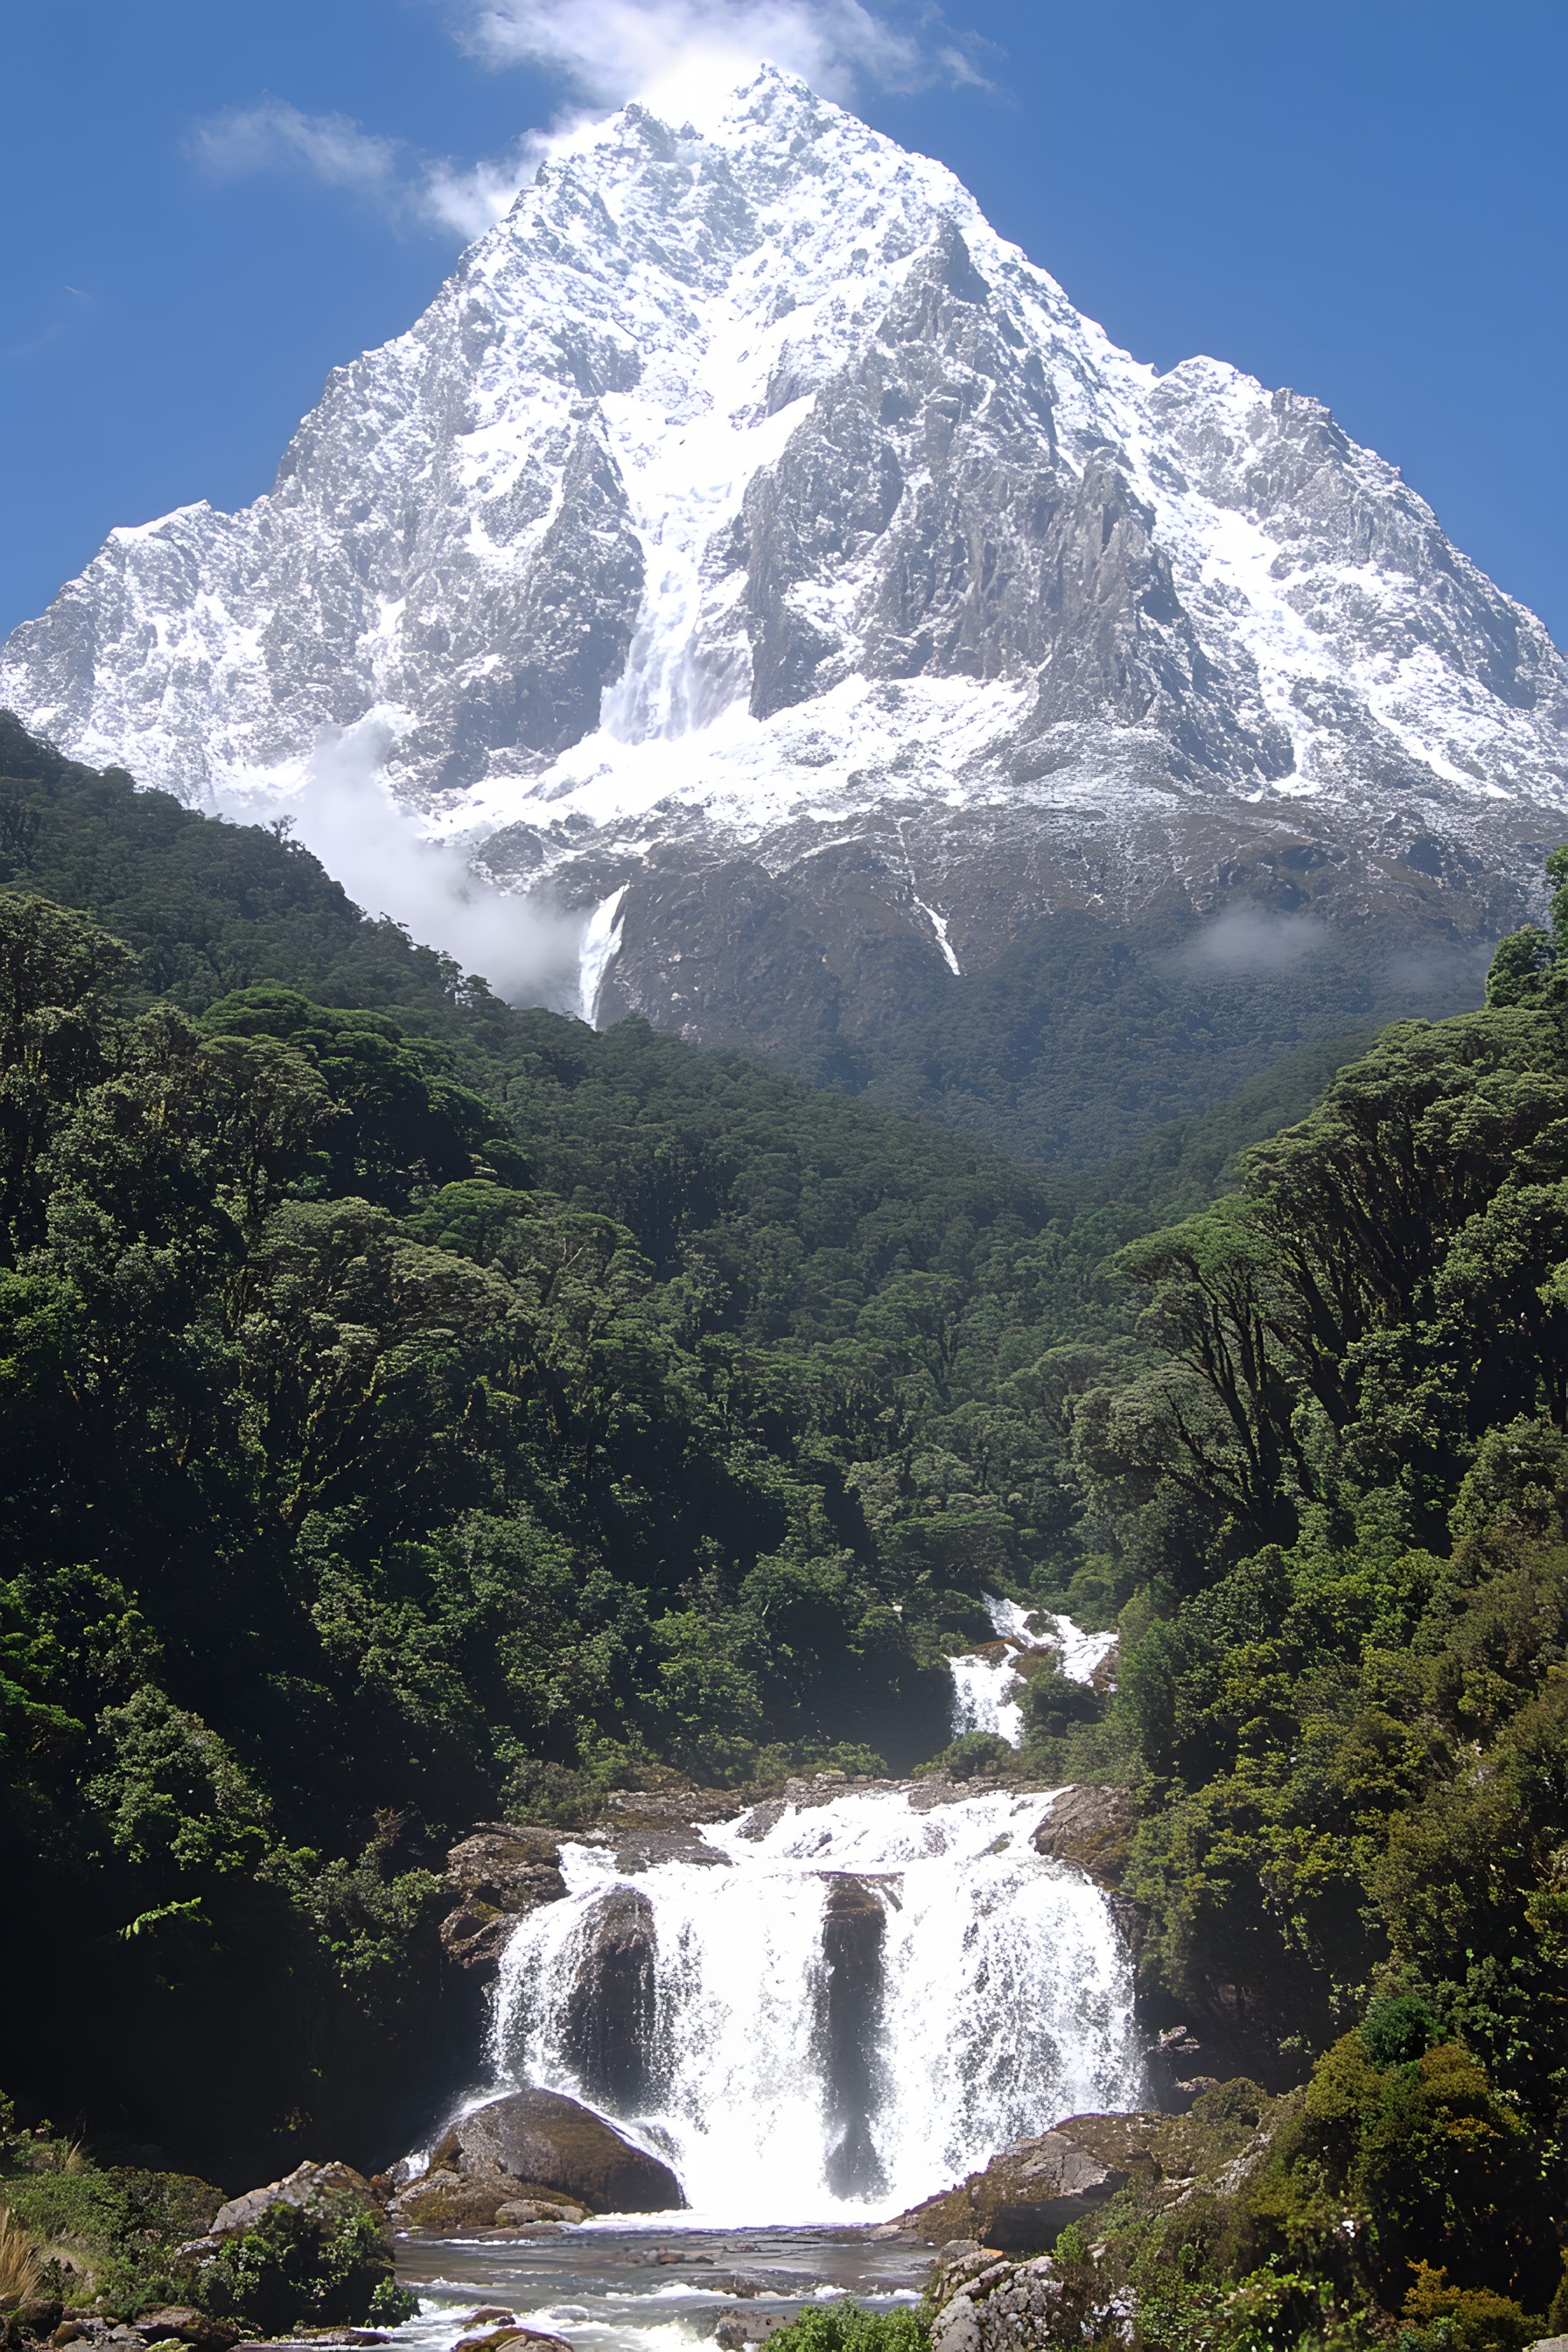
(1444, 2171)
(19, 2259)
(1398, 2031)
(976, 1752)
(317, 2264)
(848, 2328)
(1469, 2319)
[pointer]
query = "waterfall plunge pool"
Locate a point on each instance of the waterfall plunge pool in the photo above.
(622, 2289)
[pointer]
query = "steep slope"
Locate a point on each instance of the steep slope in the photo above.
(750, 547)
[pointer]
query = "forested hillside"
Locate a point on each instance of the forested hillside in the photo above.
(1341, 1483)
(417, 1410)
(1085, 1034)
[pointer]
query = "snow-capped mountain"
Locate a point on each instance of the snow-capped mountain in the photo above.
(751, 548)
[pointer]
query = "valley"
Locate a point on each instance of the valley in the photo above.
(783, 1335)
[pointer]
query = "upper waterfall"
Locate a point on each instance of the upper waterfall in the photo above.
(836, 2010)
(985, 1682)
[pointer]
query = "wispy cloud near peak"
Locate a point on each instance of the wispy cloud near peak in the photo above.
(273, 136)
(411, 190)
(610, 51)
(682, 55)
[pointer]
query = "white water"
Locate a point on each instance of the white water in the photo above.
(601, 946)
(1005, 2001)
(983, 1689)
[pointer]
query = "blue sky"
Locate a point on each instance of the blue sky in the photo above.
(208, 203)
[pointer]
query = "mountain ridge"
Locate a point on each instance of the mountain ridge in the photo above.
(751, 550)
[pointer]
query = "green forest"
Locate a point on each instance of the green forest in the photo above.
(420, 1411)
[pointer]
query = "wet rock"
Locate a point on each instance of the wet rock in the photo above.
(498, 1875)
(854, 1927)
(514, 2335)
(1092, 1829)
(610, 2008)
(643, 1826)
(444, 2202)
(536, 2143)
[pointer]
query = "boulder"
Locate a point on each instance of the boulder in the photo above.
(312, 2249)
(449, 2205)
(333, 2185)
(497, 1875)
(610, 2008)
(529, 2146)
(510, 2337)
(1029, 2193)
(189, 2327)
(1001, 2306)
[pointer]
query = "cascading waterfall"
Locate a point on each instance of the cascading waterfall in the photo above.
(985, 1687)
(601, 945)
(849, 2007)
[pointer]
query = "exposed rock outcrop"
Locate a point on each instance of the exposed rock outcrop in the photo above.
(1029, 2193)
(854, 1928)
(337, 2185)
(181, 2323)
(981, 2303)
(314, 2248)
(497, 1875)
(1091, 1827)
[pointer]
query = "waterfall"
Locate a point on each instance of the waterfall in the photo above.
(834, 2009)
(601, 945)
(983, 1686)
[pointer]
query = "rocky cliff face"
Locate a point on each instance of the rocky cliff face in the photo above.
(751, 545)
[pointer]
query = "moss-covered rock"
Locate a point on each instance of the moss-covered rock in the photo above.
(313, 2249)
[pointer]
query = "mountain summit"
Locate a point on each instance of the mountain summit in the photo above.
(752, 547)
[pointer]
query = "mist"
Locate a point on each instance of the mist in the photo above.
(1250, 940)
(530, 953)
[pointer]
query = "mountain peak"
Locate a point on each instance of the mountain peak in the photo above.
(743, 498)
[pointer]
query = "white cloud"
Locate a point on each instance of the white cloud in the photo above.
(411, 190)
(471, 197)
(691, 51)
(274, 136)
